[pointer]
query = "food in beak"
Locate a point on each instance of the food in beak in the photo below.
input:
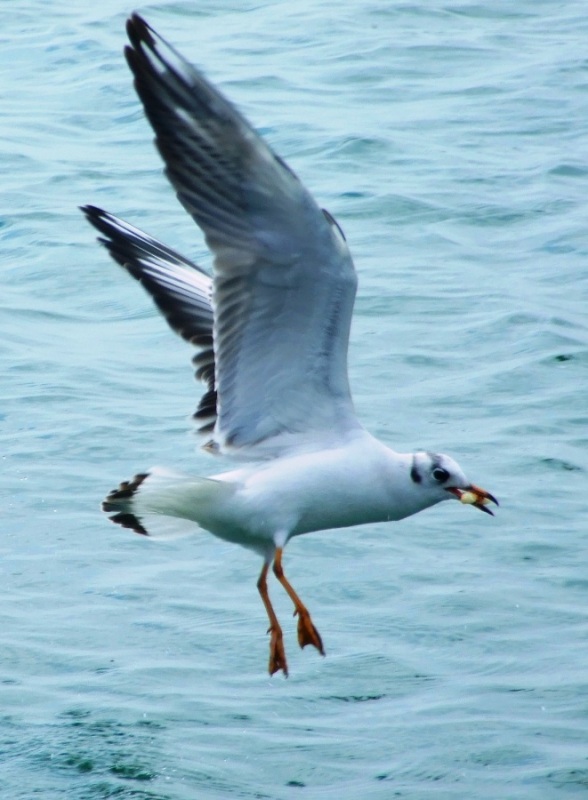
(474, 496)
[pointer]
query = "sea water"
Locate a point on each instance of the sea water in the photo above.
(450, 142)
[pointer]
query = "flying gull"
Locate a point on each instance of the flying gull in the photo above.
(271, 329)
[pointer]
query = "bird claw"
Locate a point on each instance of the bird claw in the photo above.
(307, 633)
(277, 658)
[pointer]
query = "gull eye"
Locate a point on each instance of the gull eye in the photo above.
(440, 474)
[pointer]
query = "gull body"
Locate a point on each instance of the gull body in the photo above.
(271, 329)
(262, 505)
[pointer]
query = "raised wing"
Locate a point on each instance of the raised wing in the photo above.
(181, 290)
(284, 282)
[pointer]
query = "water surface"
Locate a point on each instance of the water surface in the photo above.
(449, 140)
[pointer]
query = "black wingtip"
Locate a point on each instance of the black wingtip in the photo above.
(141, 37)
(139, 31)
(92, 212)
(99, 219)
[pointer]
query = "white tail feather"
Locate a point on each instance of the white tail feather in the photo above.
(163, 493)
(176, 495)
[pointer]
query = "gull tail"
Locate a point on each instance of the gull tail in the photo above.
(141, 503)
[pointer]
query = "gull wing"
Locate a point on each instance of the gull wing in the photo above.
(284, 282)
(181, 290)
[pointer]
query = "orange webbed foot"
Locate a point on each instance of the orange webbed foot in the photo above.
(307, 633)
(277, 659)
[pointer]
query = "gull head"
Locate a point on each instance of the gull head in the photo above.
(443, 476)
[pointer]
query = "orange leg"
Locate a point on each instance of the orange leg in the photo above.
(307, 633)
(277, 659)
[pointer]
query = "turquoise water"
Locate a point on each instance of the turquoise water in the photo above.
(450, 142)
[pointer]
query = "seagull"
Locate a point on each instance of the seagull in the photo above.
(271, 330)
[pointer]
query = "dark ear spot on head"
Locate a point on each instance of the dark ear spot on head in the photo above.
(414, 473)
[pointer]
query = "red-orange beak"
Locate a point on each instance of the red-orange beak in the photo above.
(474, 496)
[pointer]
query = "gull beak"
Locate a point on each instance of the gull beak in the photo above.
(474, 496)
